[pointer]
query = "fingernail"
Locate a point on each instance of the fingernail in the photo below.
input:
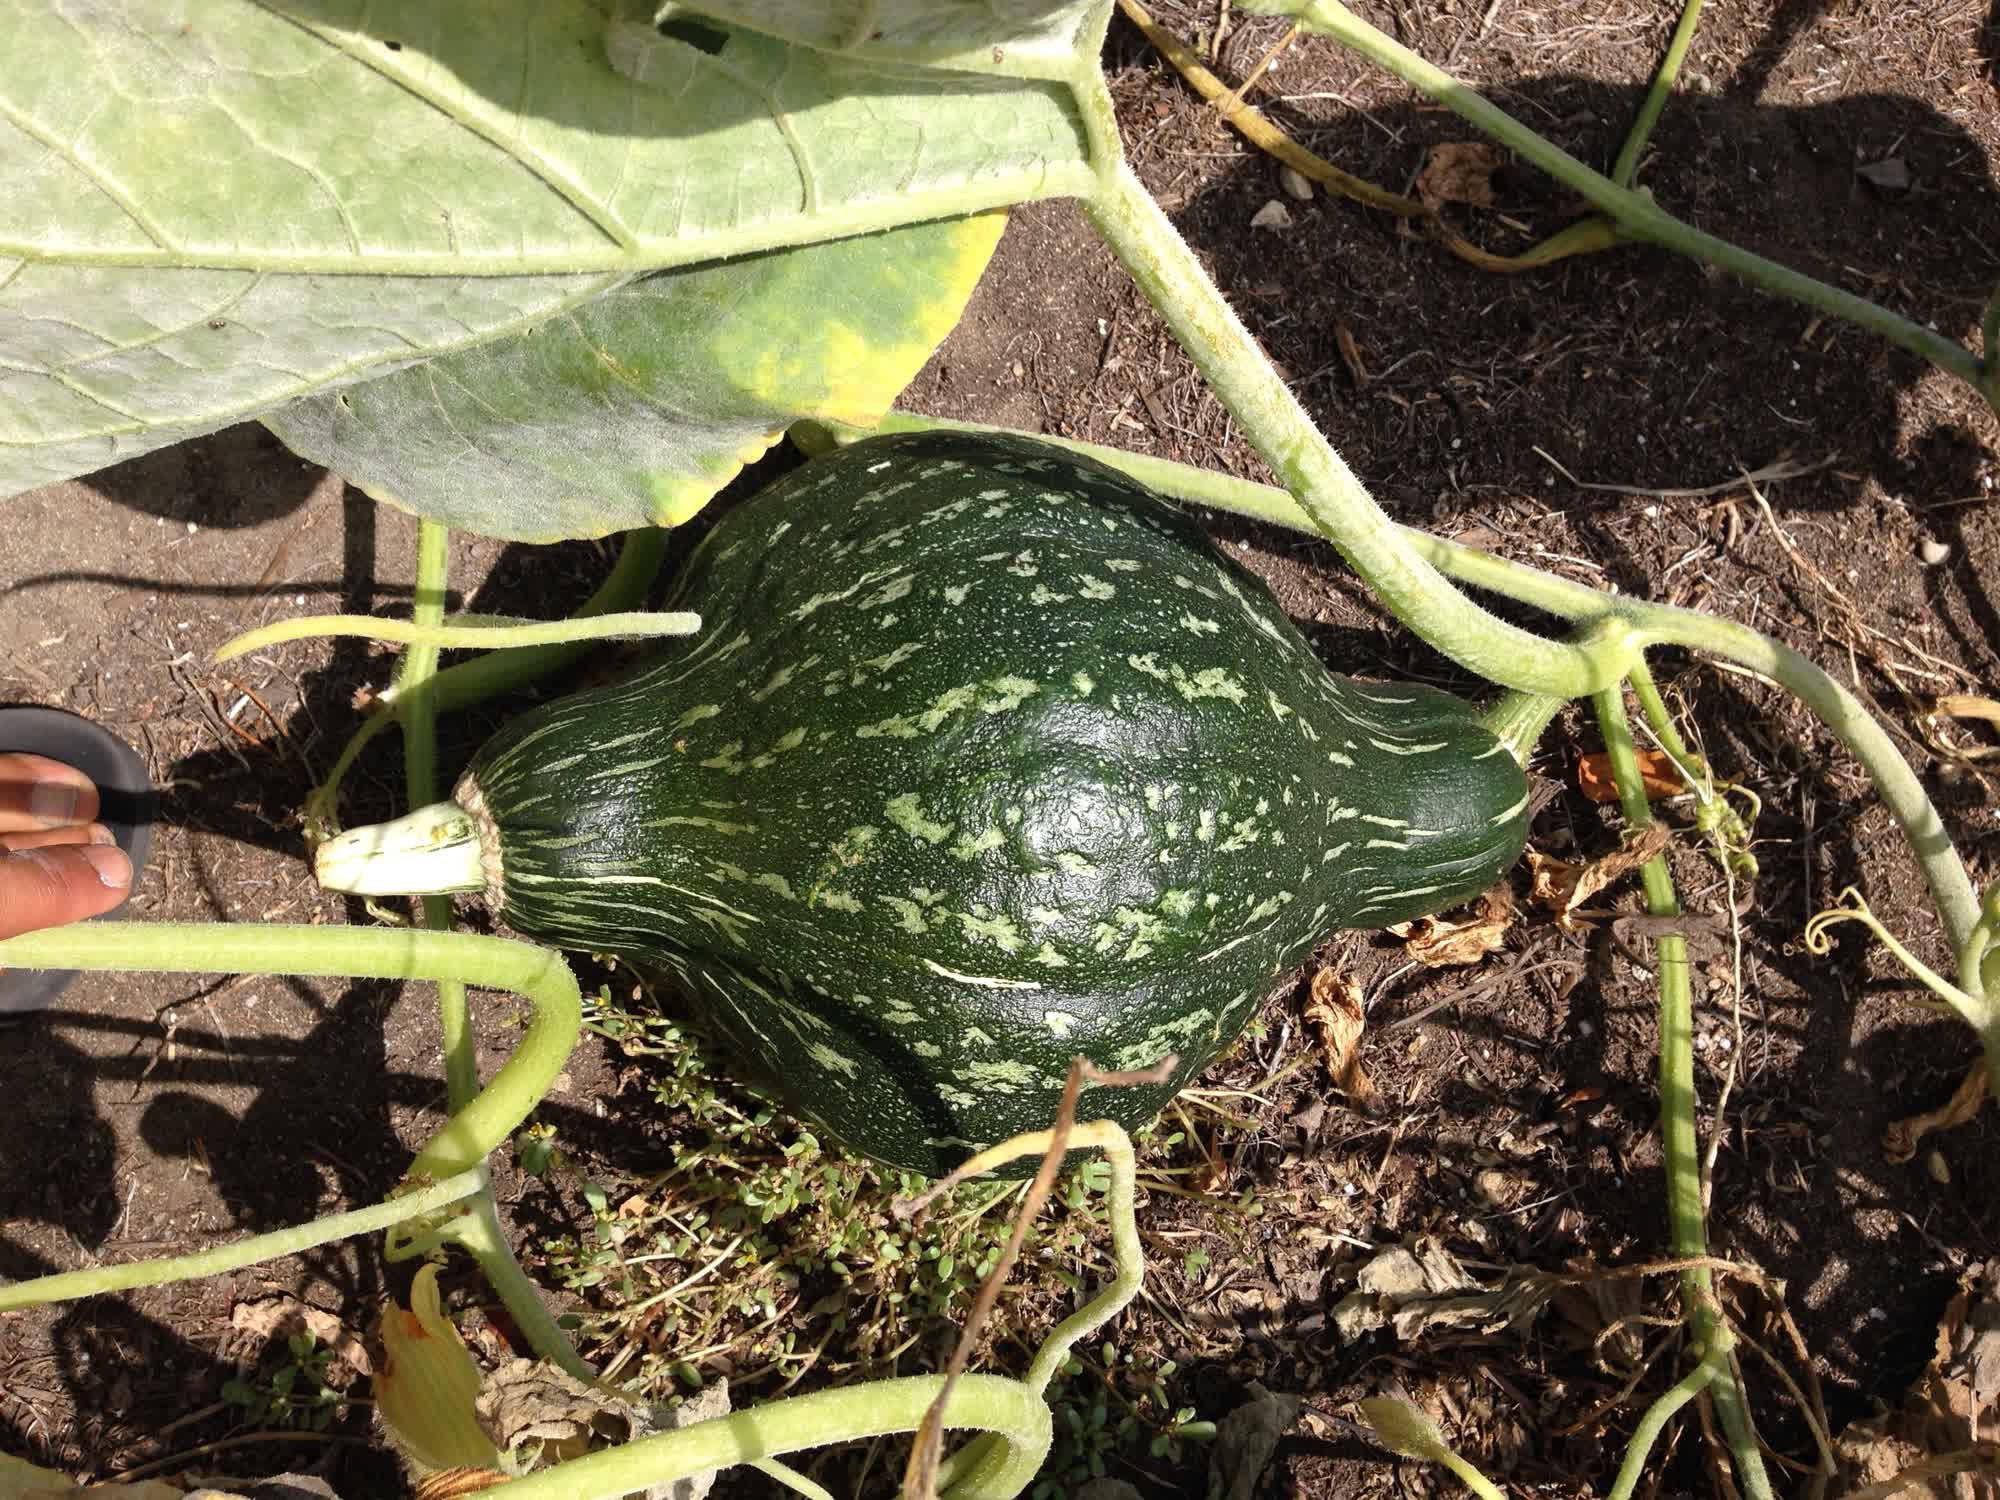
(113, 868)
(99, 834)
(53, 802)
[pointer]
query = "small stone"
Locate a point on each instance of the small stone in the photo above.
(1932, 551)
(1295, 182)
(1273, 215)
(1934, 1163)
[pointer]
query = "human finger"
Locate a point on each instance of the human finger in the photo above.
(65, 883)
(37, 793)
(89, 833)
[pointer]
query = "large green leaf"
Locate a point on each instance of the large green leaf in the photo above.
(214, 206)
(634, 409)
(966, 33)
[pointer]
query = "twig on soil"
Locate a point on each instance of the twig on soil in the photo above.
(1781, 469)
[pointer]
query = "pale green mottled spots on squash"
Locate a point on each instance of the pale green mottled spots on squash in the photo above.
(1209, 682)
(1177, 903)
(717, 825)
(997, 930)
(1141, 930)
(977, 1038)
(1047, 956)
(1095, 588)
(967, 847)
(835, 900)
(1072, 863)
(906, 813)
(1395, 749)
(1061, 1022)
(1043, 916)
(772, 881)
(1155, 794)
(1173, 829)
(1123, 564)
(1024, 565)
(890, 592)
(1008, 693)
(1149, 663)
(910, 916)
(1006, 1075)
(1382, 822)
(833, 1061)
(956, 1097)
(1200, 625)
(954, 594)
(1243, 833)
(1012, 816)
(1042, 596)
(1205, 826)
(1211, 901)
(1083, 682)
(982, 981)
(727, 759)
(927, 1049)
(779, 679)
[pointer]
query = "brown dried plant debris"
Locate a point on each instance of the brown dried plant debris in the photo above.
(1335, 1014)
(1460, 172)
(1438, 942)
(1562, 886)
(1899, 1141)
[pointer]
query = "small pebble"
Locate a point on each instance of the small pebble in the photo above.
(1934, 1163)
(1933, 551)
(1295, 182)
(1273, 215)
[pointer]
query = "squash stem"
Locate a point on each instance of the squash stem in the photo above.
(1517, 720)
(433, 851)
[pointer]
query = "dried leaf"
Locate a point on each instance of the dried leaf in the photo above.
(1933, 1445)
(281, 1316)
(1891, 174)
(1560, 886)
(1439, 943)
(1350, 353)
(1899, 1141)
(1273, 216)
(1460, 172)
(1657, 773)
(1408, 1289)
(1961, 706)
(530, 1404)
(1246, 1440)
(1334, 1013)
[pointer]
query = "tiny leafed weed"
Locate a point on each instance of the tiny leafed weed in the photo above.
(295, 1395)
(764, 1253)
(1115, 1414)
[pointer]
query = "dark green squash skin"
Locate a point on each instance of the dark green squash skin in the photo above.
(984, 758)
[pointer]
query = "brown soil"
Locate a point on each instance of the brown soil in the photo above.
(150, 1112)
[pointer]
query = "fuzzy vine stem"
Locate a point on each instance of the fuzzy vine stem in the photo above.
(236, 1254)
(1173, 280)
(418, 712)
(1635, 214)
(1627, 166)
(1017, 1418)
(1680, 1142)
